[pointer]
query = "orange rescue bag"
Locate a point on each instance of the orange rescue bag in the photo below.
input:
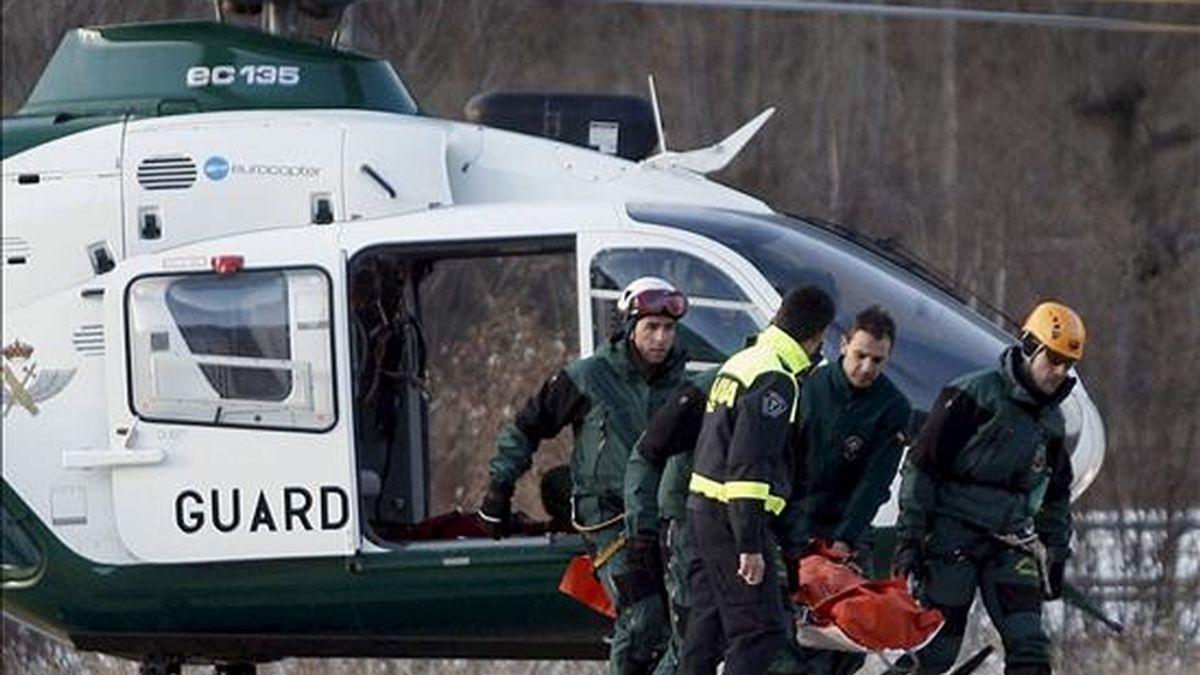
(579, 581)
(872, 615)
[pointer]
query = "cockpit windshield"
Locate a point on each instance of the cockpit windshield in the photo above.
(937, 337)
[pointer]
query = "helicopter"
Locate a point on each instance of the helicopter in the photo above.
(240, 273)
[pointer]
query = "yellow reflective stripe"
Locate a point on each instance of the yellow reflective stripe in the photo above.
(737, 489)
(746, 365)
(723, 393)
(747, 489)
(744, 489)
(786, 347)
(707, 487)
(762, 357)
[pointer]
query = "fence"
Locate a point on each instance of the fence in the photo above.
(1143, 568)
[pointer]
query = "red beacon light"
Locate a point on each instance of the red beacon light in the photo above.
(227, 265)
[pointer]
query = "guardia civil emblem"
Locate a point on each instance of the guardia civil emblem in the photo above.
(852, 448)
(24, 384)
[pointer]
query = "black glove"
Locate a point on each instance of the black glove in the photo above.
(495, 513)
(1055, 577)
(645, 554)
(643, 576)
(908, 560)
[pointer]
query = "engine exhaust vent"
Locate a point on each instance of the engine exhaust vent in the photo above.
(167, 172)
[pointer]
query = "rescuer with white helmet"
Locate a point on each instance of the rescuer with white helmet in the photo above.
(606, 399)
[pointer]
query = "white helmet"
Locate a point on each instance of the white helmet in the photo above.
(651, 296)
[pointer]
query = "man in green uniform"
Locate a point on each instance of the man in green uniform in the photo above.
(742, 478)
(655, 495)
(853, 435)
(606, 399)
(985, 497)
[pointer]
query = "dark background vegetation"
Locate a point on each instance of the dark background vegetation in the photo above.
(1022, 161)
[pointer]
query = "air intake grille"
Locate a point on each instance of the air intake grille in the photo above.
(89, 339)
(15, 251)
(169, 172)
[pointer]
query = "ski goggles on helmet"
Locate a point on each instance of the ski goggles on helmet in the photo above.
(655, 302)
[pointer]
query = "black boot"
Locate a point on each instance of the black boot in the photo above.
(635, 666)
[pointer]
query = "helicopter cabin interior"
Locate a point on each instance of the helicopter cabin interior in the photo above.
(447, 343)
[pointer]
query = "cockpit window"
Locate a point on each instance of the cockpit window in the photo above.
(938, 338)
(720, 315)
(612, 269)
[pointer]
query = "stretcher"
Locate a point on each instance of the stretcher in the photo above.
(841, 610)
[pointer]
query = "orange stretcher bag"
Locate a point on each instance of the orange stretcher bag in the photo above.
(851, 613)
(579, 581)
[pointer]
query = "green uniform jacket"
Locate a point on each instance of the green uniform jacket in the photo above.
(657, 477)
(851, 443)
(744, 458)
(606, 399)
(992, 455)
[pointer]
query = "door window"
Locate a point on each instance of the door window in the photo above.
(243, 317)
(251, 349)
(720, 316)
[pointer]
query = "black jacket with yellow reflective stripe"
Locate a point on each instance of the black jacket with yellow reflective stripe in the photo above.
(744, 464)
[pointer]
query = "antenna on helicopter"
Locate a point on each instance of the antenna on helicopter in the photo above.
(703, 160)
(319, 20)
(713, 158)
(658, 125)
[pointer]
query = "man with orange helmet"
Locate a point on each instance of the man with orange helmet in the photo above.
(985, 496)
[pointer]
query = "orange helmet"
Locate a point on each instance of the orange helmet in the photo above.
(1058, 328)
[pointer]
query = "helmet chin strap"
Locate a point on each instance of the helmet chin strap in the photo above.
(625, 330)
(1028, 354)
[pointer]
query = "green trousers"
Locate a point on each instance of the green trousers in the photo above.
(676, 544)
(640, 630)
(962, 561)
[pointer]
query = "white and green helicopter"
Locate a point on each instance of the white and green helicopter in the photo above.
(211, 455)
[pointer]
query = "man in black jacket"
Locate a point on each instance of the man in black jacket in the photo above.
(742, 477)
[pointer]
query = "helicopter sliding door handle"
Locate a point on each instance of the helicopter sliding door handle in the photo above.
(375, 176)
(98, 459)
